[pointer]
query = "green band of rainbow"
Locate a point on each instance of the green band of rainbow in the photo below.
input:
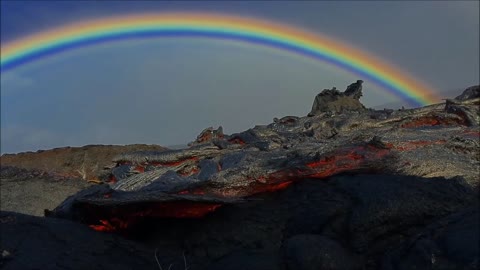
(249, 30)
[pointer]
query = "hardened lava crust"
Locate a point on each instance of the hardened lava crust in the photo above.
(339, 136)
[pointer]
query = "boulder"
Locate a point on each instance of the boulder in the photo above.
(332, 100)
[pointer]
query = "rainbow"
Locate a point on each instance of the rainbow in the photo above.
(173, 24)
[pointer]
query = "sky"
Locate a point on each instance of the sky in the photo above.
(167, 90)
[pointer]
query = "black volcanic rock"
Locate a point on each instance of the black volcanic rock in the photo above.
(312, 224)
(312, 252)
(449, 243)
(332, 100)
(39, 243)
(354, 90)
(470, 93)
(249, 260)
(386, 205)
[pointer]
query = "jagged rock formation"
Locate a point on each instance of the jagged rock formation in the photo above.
(434, 141)
(333, 101)
(208, 135)
(470, 93)
(355, 90)
(380, 189)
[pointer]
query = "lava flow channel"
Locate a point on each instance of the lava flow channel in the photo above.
(348, 159)
(109, 219)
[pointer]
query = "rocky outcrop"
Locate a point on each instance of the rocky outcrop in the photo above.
(354, 90)
(334, 101)
(207, 135)
(470, 93)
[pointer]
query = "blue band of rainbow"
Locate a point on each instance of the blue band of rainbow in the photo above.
(248, 30)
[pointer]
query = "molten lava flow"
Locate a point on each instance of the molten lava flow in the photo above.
(428, 121)
(272, 187)
(345, 160)
(112, 179)
(237, 140)
(104, 227)
(139, 169)
(322, 162)
(183, 209)
(120, 219)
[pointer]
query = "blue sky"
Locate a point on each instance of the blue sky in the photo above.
(165, 91)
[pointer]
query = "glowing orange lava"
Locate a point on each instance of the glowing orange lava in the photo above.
(428, 121)
(237, 140)
(122, 219)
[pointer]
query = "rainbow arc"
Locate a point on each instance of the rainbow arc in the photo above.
(218, 26)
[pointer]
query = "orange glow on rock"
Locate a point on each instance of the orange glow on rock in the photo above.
(346, 159)
(121, 219)
(139, 169)
(274, 187)
(428, 121)
(343, 160)
(237, 140)
(471, 133)
(112, 179)
(197, 191)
